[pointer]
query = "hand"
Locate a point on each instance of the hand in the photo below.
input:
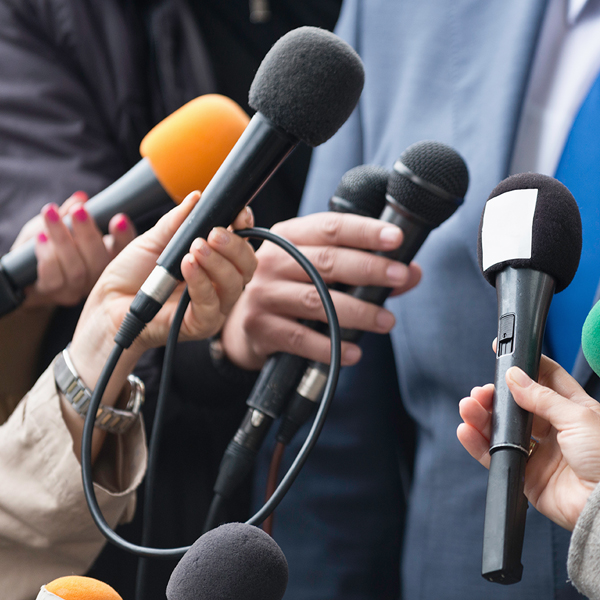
(70, 260)
(565, 466)
(265, 320)
(215, 271)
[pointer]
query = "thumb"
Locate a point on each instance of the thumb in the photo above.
(544, 402)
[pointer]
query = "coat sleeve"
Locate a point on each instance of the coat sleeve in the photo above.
(45, 527)
(71, 103)
(584, 551)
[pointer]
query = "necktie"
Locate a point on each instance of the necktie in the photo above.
(579, 170)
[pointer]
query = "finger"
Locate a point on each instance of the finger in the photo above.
(121, 232)
(155, 239)
(414, 277)
(69, 259)
(204, 302)
(339, 265)
(277, 334)
(475, 443)
(78, 197)
(50, 275)
(302, 301)
(89, 243)
(542, 401)
(234, 249)
(228, 282)
(339, 229)
(475, 415)
(244, 220)
(552, 375)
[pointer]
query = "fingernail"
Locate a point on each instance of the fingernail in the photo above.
(397, 273)
(352, 354)
(390, 236)
(50, 210)
(519, 377)
(201, 246)
(80, 195)
(385, 320)
(249, 217)
(220, 236)
(122, 224)
(190, 258)
(81, 214)
(42, 237)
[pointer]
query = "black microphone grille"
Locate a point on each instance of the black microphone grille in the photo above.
(430, 179)
(308, 84)
(543, 226)
(362, 190)
(235, 560)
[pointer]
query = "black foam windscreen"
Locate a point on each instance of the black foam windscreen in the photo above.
(363, 189)
(430, 180)
(233, 561)
(556, 230)
(308, 84)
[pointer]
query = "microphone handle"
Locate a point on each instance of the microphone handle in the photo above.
(135, 193)
(524, 298)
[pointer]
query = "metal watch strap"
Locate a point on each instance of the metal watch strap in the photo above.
(113, 420)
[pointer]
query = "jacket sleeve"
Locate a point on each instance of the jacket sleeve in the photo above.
(584, 551)
(71, 103)
(45, 527)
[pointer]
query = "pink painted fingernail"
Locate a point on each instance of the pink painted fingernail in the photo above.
(80, 195)
(122, 224)
(52, 213)
(42, 237)
(81, 214)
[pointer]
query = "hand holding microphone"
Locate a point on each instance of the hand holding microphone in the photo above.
(180, 154)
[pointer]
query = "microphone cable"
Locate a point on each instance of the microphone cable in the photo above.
(297, 464)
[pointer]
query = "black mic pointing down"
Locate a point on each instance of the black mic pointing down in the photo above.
(360, 191)
(529, 245)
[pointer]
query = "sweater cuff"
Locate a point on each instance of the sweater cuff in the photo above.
(584, 550)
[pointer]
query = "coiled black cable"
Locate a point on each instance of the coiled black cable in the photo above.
(311, 440)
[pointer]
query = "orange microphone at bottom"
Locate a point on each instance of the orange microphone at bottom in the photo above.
(75, 587)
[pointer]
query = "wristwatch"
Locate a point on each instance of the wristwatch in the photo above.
(113, 420)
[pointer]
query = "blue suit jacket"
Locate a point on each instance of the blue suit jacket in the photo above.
(454, 71)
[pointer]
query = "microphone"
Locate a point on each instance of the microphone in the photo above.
(590, 342)
(304, 90)
(180, 154)
(360, 191)
(426, 186)
(529, 245)
(74, 587)
(232, 561)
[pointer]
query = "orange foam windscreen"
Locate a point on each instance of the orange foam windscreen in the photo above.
(81, 588)
(186, 149)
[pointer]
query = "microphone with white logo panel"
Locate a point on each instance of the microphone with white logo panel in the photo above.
(529, 247)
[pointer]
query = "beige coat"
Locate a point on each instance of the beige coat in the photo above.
(45, 528)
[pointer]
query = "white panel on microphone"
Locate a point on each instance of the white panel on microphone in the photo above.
(46, 595)
(507, 227)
